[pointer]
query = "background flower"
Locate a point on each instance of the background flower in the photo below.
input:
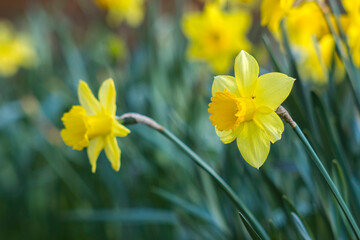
(222, 35)
(131, 11)
(16, 50)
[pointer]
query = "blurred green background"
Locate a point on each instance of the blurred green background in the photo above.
(47, 190)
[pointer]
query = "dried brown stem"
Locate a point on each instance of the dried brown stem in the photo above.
(284, 114)
(133, 118)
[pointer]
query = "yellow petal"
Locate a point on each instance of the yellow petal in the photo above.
(119, 130)
(229, 135)
(95, 147)
(272, 89)
(113, 152)
(223, 82)
(87, 99)
(107, 96)
(254, 144)
(246, 73)
(271, 123)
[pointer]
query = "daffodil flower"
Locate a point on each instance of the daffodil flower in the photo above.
(242, 108)
(273, 11)
(131, 11)
(216, 36)
(93, 124)
(16, 50)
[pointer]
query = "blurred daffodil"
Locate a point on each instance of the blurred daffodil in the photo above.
(233, 2)
(216, 36)
(316, 59)
(93, 124)
(273, 11)
(131, 11)
(351, 25)
(242, 108)
(305, 22)
(15, 50)
(309, 36)
(311, 41)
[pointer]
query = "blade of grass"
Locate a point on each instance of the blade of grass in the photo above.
(300, 226)
(248, 227)
(293, 211)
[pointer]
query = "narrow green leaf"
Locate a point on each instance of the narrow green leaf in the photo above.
(248, 227)
(292, 210)
(340, 179)
(274, 62)
(300, 226)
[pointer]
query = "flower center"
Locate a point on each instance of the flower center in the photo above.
(216, 40)
(79, 128)
(228, 111)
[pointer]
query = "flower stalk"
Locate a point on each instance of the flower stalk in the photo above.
(135, 118)
(282, 112)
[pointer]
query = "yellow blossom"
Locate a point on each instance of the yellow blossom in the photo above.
(273, 11)
(305, 22)
(242, 108)
(216, 36)
(233, 2)
(351, 25)
(310, 39)
(131, 11)
(93, 124)
(312, 42)
(15, 51)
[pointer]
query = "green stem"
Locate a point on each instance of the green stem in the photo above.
(201, 163)
(130, 118)
(328, 180)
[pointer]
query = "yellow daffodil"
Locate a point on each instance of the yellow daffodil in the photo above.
(15, 51)
(233, 2)
(273, 11)
(131, 11)
(305, 22)
(216, 36)
(309, 36)
(242, 108)
(93, 124)
(351, 25)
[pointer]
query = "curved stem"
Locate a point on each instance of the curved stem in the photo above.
(131, 118)
(286, 116)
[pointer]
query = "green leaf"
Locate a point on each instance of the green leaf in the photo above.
(292, 210)
(250, 230)
(300, 226)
